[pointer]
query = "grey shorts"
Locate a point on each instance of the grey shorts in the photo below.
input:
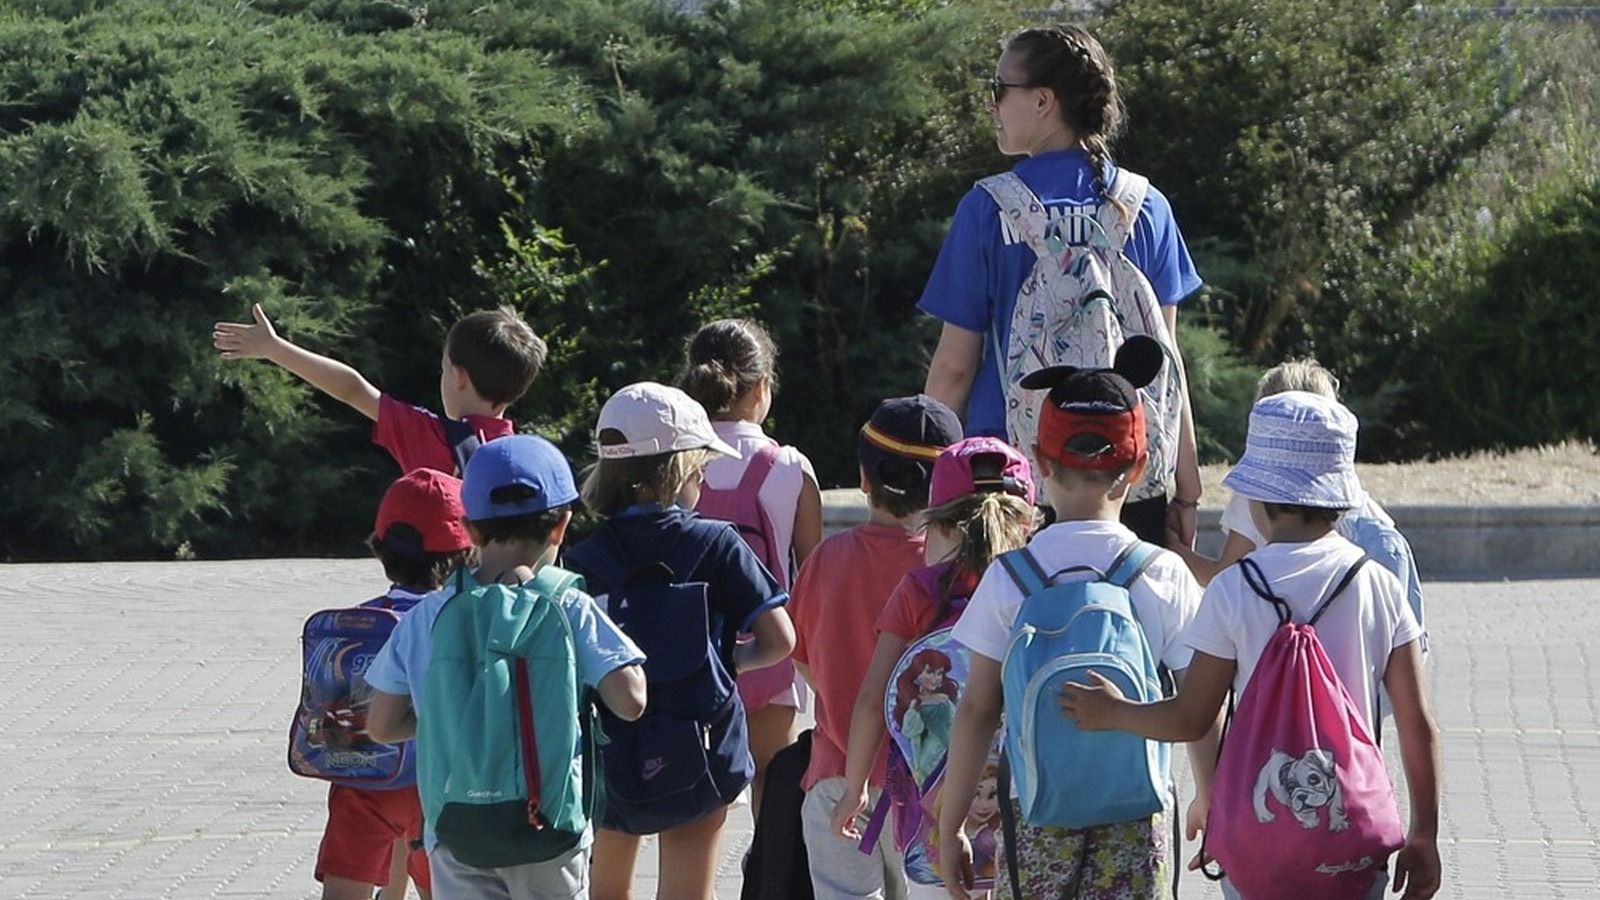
(839, 870)
(563, 878)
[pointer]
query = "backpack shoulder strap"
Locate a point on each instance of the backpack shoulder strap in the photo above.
(554, 582)
(1128, 189)
(1257, 581)
(1030, 578)
(463, 440)
(762, 462)
(684, 556)
(1022, 208)
(1339, 586)
(1131, 563)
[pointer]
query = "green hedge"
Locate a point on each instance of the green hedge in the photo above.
(619, 173)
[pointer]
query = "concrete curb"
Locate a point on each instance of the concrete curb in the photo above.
(1450, 542)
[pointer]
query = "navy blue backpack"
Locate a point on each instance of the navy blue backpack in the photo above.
(689, 753)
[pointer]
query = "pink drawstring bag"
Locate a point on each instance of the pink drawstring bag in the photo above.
(1301, 801)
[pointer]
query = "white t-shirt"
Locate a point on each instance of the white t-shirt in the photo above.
(780, 493)
(1165, 598)
(1367, 621)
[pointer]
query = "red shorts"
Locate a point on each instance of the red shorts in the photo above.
(362, 829)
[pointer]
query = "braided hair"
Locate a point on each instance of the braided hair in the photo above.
(1069, 61)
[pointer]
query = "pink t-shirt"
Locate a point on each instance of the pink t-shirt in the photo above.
(414, 436)
(835, 603)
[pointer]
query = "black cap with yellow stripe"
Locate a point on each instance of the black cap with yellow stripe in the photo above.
(902, 439)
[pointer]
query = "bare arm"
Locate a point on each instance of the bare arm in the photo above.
(977, 717)
(866, 735)
(1186, 717)
(623, 692)
(1417, 866)
(807, 518)
(774, 641)
(1206, 568)
(1181, 518)
(390, 718)
(954, 366)
(260, 341)
(1203, 765)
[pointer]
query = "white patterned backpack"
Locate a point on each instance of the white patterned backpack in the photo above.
(1083, 298)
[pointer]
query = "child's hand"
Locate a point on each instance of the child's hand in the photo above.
(955, 863)
(1416, 869)
(1091, 706)
(1194, 823)
(845, 812)
(239, 341)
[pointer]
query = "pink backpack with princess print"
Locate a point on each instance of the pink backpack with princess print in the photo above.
(1301, 801)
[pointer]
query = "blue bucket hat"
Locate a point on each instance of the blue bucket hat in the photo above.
(1300, 450)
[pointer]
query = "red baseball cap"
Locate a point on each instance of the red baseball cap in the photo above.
(429, 503)
(1094, 418)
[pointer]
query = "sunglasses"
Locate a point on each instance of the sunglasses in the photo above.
(997, 88)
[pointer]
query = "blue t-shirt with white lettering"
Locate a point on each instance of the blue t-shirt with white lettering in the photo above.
(982, 266)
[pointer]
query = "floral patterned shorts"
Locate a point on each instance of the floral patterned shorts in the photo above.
(1107, 862)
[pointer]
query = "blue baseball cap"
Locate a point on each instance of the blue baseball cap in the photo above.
(516, 475)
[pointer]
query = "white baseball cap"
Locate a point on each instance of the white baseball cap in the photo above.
(653, 419)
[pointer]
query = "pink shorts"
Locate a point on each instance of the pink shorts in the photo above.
(362, 829)
(776, 685)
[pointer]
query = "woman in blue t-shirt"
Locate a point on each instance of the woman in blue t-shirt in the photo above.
(1054, 100)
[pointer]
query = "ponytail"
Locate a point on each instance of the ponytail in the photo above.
(724, 360)
(988, 524)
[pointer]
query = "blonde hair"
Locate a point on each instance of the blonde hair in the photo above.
(989, 524)
(612, 485)
(1298, 375)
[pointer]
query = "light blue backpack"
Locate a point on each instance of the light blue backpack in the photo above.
(1066, 777)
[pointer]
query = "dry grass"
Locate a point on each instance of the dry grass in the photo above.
(1564, 475)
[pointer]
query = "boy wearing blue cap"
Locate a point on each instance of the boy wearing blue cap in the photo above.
(517, 494)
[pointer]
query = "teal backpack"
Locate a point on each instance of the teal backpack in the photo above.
(505, 734)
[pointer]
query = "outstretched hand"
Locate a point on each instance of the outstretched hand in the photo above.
(1092, 706)
(237, 340)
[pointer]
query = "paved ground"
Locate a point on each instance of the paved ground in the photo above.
(145, 708)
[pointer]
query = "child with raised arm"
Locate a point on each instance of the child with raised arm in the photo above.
(1298, 475)
(491, 357)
